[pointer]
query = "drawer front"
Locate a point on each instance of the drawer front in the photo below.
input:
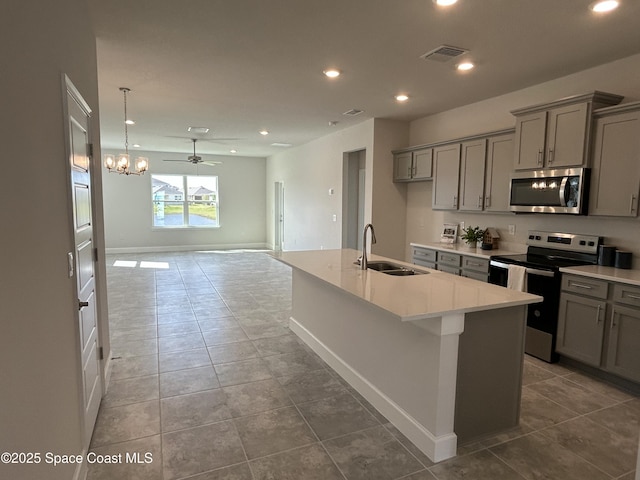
(422, 263)
(585, 286)
(450, 259)
(483, 277)
(626, 294)
(451, 270)
(424, 255)
(474, 263)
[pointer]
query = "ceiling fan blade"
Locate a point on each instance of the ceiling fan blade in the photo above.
(211, 164)
(168, 160)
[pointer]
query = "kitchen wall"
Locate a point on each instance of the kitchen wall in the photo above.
(40, 403)
(311, 170)
(241, 184)
(423, 224)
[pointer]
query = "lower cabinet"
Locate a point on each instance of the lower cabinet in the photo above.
(599, 325)
(581, 328)
(453, 263)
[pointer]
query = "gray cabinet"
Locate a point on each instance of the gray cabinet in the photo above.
(623, 357)
(450, 262)
(476, 268)
(446, 170)
(497, 172)
(581, 328)
(556, 135)
(599, 325)
(472, 168)
(615, 174)
(413, 166)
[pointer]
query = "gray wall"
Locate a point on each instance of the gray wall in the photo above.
(39, 369)
(241, 184)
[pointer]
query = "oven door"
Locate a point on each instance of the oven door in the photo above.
(542, 318)
(550, 191)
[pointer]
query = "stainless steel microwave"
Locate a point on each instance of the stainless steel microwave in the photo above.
(550, 191)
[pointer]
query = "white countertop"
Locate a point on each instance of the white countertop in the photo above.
(611, 274)
(411, 297)
(463, 249)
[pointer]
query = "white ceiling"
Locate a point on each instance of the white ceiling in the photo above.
(239, 66)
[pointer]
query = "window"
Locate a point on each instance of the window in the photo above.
(185, 201)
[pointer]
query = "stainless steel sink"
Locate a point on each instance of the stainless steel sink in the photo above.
(393, 269)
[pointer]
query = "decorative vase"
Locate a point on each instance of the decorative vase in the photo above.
(472, 244)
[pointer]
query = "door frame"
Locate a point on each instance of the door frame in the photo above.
(278, 216)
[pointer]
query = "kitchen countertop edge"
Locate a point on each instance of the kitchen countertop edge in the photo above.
(611, 274)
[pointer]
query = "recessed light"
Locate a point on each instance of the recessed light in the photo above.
(233, 151)
(604, 6)
(136, 145)
(402, 97)
(129, 122)
(332, 73)
(198, 129)
(464, 66)
(264, 132)
(445, 3)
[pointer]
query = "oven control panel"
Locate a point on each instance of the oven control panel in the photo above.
(564, 241)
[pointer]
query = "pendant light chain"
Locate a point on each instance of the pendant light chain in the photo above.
(126, 126)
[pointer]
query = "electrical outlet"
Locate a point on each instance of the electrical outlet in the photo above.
(461, 226)
(512, 229)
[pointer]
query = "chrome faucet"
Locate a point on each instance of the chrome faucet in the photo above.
(363, 259)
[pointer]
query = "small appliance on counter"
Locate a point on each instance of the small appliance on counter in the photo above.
(623, 259)
(607, 255)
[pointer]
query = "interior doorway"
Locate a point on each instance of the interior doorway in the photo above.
(353, 187)
(278, 230)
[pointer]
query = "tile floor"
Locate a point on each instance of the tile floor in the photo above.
(209, 381)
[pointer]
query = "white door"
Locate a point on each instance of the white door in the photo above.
(78, 137)
(278, 216)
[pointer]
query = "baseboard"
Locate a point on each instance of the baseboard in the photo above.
(187, 248)
(436, 448)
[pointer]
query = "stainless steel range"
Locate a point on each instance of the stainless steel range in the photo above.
(547, 252)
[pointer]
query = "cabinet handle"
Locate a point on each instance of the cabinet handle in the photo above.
(540, 156)
(635, 297)
(598, 314)
(409, 172)
(613, 316)
(580, 285)
(474, 264)
(455, 200)
(487, 201)
(479, 201)
(632, 208)
(550, 159)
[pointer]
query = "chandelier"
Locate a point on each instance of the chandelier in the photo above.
(120, 163)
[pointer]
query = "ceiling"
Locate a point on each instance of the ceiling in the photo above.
(240, 66)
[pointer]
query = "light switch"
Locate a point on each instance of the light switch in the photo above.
(335, 218)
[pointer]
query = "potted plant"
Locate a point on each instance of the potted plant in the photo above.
(472, 235)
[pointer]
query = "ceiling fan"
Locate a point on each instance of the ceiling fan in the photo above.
(195, 159)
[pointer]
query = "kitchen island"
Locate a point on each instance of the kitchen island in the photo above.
(440, 356)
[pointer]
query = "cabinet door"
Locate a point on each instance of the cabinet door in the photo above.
(530, 137)
(498, 170)
(615, 176)
(581, 328)
(422, 161)
(472, 163)
(566, 136)
(402, 167)
(446, 169)
(624, 337)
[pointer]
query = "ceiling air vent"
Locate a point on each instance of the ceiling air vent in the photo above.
(443, 53)
(353, 112)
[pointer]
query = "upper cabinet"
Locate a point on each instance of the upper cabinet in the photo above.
(472, 165)
(446, 170)
(556, 135)
(413, 166)
(615, 174)
(497, 173)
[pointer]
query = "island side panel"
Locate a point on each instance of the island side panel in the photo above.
(406, 372)
(490, 362)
